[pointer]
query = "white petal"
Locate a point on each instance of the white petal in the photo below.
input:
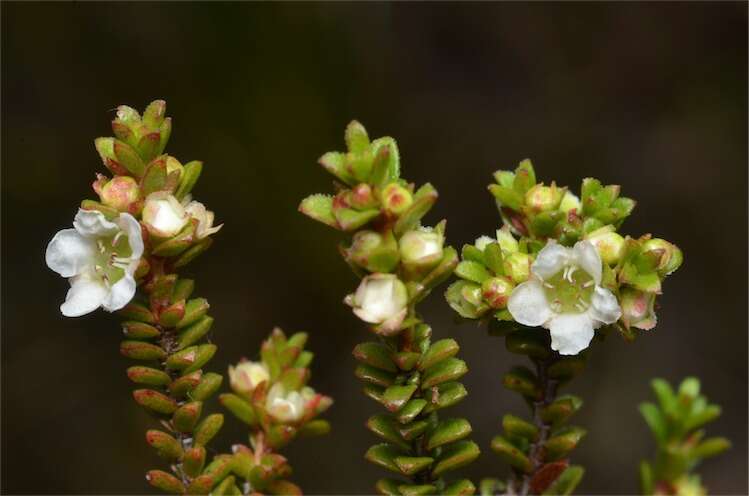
(586, 256)
(93, 224)
(570, 333)
(69, 252)
(120, 294)
(482, 241)
(130, 226)
(85, 295)
(528, 304)
(550, 260)
(604, 306)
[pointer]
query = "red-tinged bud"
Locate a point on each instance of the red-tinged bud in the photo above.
(496, 291)
(120, 192)
(637, 308)
(396, 199)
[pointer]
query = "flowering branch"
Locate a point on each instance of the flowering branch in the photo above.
(558, 262)
(399, 262)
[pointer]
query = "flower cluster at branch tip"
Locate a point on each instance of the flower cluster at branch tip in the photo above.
(108, 254)
(560, 262)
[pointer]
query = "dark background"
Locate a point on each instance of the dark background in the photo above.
(649, 96)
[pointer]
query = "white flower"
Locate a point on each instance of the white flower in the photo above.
(100, 258)
(285, 407)
(421, 247)
(380, 299)
(564, 295)
(163, 215)
(197, 211)
(246, 376)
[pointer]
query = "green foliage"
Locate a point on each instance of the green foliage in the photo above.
(409, 375)
(677, 421)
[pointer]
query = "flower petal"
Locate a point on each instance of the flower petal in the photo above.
(604, 307)
(93, 224)
(571, 333)
(69, 252)
(85, 295)
(482, 241)
(528, 304)
(120, 294)
(550, 260)
(130, 226)
(586, 256)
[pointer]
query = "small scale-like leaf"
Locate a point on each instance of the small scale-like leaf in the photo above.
(445, 395)
(186, 417)
(411, 410)
(375, 354)
(517, 427)
(462, 487)
(320, 208)
(208, 428)
(208, 385)
(455, 456)
(384, 455)
(511, 454)
(472, 271)
(374, 376)
(567, 482)
(561, 443)
(239, 407)
(409, 465)
(438, 351)
(447, 370)
(165, 482)
(448, 431)
(395, 397)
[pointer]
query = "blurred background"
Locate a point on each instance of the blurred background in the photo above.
(649, 96)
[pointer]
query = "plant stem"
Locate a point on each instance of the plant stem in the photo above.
(548, 394)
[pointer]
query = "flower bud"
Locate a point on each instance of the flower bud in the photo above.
(667, 255)
(205, 228)
(421, 248)
(637, 308)
(517, 266)
(396, 199)
(361, 197)
(284, 407)
(380, 299)
(119, 193)
(163, 215)
(496, 291)
(609, 243)
(569, 202)
(373, 251)
(542, 198)
(246, 376)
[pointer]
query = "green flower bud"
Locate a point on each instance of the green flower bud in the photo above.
(396, 199)
(421, 248)
(361, 197)
(542, 198)
(121, 192)
(569, 202)
(609, 243)
(374, 252)
(518, 266)
(246, 376)
(496, 291)
(637, 308)
(669, 257)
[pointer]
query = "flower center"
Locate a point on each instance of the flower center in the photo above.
(113, 257)
(569, 290)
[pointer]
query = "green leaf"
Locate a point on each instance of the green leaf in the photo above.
(655, 421)
(148, 146)
(194, 333)
(349, 219)
(439, 351)
(411, 410)
(181, 386)
(386, 165)
(567, 482)
(448, 431)
(416, 489)
(320, 208)
(423, 200)
(375, 354)
(472, 271)
(507, 197)
(449, 369)
(395, 397)
(646, 478)
(189, 178)
(711, 447)
(148, 376)
(374, 376)
(384, 426)
(155, 401)
(165, 445)
(138, 350)
(208, 385)
(128, 158)
(335, 163)
(689, 388)
(710, 413)
(470, 252)
(561, 443)
(455, 456)
(567, 368)
(165, 482)
(388, 487)
(522, 380)
(384, 455)
(517, 427)
(493, 256)
(529, 342)
(294, 378)
(665, 394)
(525, 177)
(317, 427)
(356, 137)
(511, 454)
(561, 409)
(462, 487)
(186, 417)
(447, 395)
(409, 465)
(413, 430)
(239, 407)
